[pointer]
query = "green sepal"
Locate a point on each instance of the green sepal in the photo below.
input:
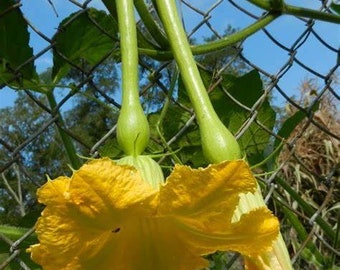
(149, 169)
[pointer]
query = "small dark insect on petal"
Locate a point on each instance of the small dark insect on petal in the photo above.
(116, 230)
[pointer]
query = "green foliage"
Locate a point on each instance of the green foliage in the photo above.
(111, 149)
(335, 7)
(13, 234)
(96, 121)
(14, 48)
(41, 156)
(225, 261)
(247, 90)
(188, 144)
(291, 123)
(81, 41)
(238, 97)
(217, 60)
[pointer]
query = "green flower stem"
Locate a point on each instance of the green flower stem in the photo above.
(143, 41)
(132, 128)
(68, 144)
(296, 11)
(217, 141)
(218, 44)
(151, 24)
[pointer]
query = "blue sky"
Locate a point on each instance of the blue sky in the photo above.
(257, 48)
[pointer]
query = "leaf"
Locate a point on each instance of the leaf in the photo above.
(335, 7)
(188, 143)
(247, 90)
(14, 47)
(15, 233)
(31, 217)
(291, 123)
(111, 149)
(81, 41)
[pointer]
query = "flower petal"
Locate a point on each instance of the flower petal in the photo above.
(209, 195)
(61, 236)
(117, 186)
(255, 231)
(202, 202)
(84, 214)
(107, 217)
(54, 192)
(147, 244)
(253, 234)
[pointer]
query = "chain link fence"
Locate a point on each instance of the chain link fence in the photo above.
(288, 124)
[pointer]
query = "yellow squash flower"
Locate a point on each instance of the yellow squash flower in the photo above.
(107, 217)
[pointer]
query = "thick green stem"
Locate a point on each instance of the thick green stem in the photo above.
(187, 65)
(267, 5)
(296, 11)
(235, 37)
(150, 50)
(217, 141)
(151, 24)
(143, 41)
(68, 144)
(218, 44)
(310, 13)
(132, 127)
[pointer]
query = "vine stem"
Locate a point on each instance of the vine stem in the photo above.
(132, 127)
(128, 48)
(151, 24)
(217, 141)
(146, 47)
(183, 55)
(219, 44)
(283, 8)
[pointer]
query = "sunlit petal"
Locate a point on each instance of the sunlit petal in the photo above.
(106, 217)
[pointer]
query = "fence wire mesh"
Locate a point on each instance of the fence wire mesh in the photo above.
(289, 126)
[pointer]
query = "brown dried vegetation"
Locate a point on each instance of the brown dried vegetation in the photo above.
(311, 161)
